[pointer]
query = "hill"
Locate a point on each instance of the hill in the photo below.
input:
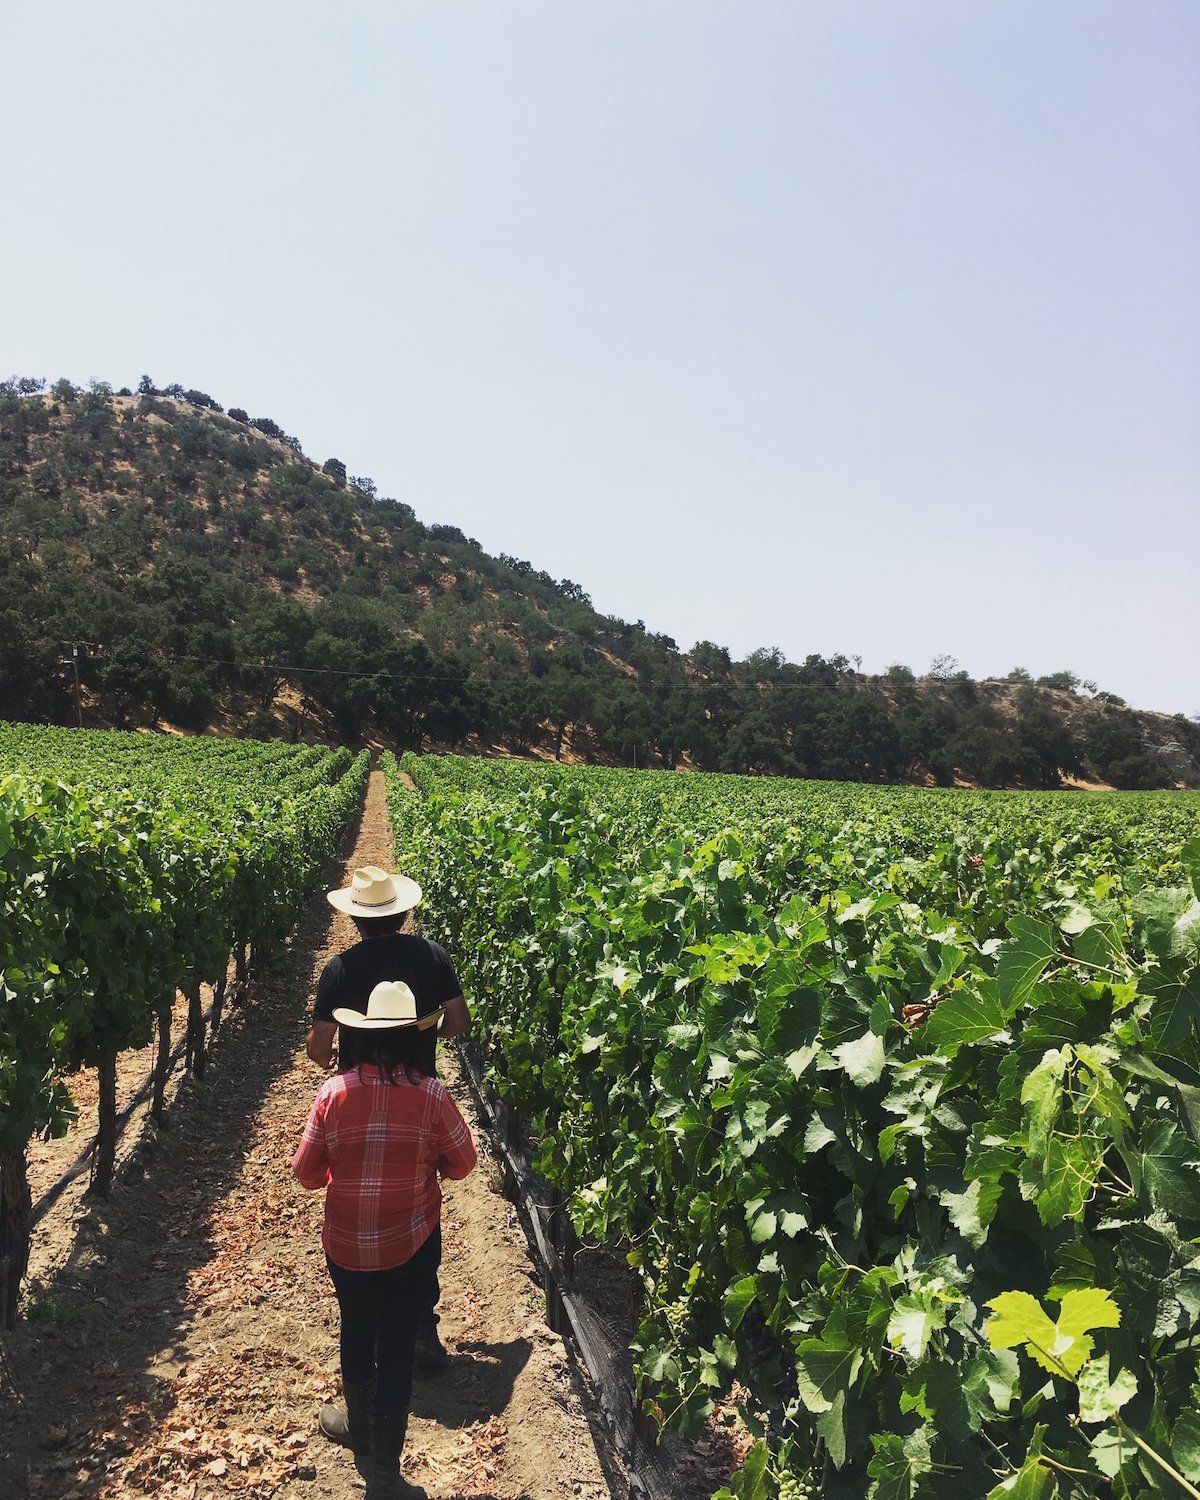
(198, 570)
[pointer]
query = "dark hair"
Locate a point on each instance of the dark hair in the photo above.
(391, 1048)
(380, 926)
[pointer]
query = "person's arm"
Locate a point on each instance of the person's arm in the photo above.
(319, 1042)
(323, 1032)
(456, 1020)
(311, 1161)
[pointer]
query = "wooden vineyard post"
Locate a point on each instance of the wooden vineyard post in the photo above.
(106, 1131)
(569, 1247)
(218, 1002)
(162, 1066)
(644, 1425)
(195, 1029)
(16, 1211)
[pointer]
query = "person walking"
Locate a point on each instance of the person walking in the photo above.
(379, 904)
(379, 1137)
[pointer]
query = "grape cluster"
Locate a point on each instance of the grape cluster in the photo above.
(793, 1487)
(676, 1314)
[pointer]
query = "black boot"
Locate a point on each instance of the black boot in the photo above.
(429, 1353)
(384, 1479)
(352, 1428)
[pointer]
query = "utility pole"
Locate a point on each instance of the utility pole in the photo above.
(74, 645)
(78, 695)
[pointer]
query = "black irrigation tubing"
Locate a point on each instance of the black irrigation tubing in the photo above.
(52, 1194)
(619, 1405)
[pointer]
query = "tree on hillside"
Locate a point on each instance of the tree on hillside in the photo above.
(271, 633)
(622, 722)
(131, 678)
(1065, 682)
(670, 700)
(566, 699)
(1049, 748)
(192, 605)
(1116, 750)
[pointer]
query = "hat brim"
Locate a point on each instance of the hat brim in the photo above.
(408, 895)
(357, 1021)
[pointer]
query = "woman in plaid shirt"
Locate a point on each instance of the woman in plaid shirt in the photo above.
(378, 1139)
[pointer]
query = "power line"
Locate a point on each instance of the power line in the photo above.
(284, 669)
(287, 668)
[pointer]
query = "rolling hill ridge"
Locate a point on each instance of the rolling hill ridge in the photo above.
(199, 571)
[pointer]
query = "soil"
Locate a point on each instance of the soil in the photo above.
(178, 1339)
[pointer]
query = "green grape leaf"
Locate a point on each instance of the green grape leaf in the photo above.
(1019, 1319)
(1041, 1094)
(831, 1427)
(1169, 1166)
(968, 1016)
(1168, 921)
(972, 1211)
(822, 1370)
(660, 1365)
(1022, 961)
(1185, 935)
(898, 1464)
(1175, 1013)
(1110, 1451)
(863, 1059)
(1185, 1435)
(1085, 1308)
(1060, 1347)
(914, 1321)
(1189, 857)
(1065, 1177)
(738, 1301)
(990, 1381)
(1098, 1399)
(1032, 1481)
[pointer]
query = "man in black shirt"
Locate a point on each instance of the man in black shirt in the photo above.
(379, 904)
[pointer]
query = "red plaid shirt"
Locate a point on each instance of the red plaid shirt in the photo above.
(379, 1148)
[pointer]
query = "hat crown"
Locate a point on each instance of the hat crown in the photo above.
(371, 886)
(391, 1001)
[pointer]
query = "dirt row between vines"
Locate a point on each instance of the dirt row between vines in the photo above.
(179, 1338)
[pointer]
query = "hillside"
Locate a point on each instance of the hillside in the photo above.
(203, 573)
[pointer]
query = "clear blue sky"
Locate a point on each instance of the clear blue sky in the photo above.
(831, 327)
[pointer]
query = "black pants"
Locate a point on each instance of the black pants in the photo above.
(382, 1313)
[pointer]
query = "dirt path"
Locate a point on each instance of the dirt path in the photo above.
(182, 1335)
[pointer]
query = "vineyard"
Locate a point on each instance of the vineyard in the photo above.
(133, 868)
(890, 1097)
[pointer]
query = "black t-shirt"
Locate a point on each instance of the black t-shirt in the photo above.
(348, 979)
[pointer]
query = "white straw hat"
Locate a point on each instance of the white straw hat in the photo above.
(372, 892)
(391, 1004)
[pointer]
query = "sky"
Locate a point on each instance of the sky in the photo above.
(829, 327)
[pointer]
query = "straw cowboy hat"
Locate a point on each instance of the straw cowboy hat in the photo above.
(372, 892)
(390, 1004)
